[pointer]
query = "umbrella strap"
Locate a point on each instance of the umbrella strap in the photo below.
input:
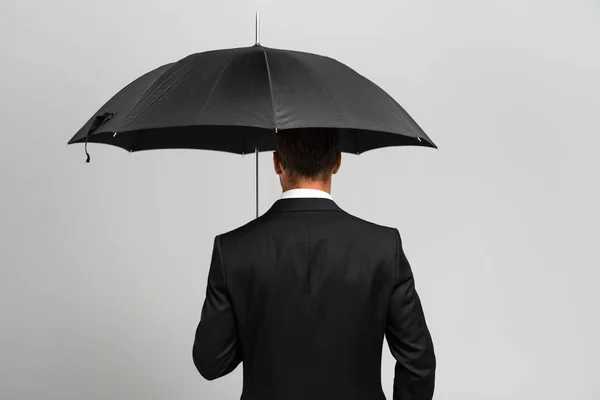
(87, 160)
(98, 120)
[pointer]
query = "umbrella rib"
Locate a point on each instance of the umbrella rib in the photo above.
(270, 89)
(321, 86)
(134, 141)
(205, 100)
(355, 142)
(212, 89)
(170, 66)
(401, 111)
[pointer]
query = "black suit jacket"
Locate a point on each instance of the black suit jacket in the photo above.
(303, 296)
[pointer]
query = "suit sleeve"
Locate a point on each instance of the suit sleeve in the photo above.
(216, 351)
(408, 337)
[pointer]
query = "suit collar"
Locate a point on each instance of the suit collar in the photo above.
(302, 193)
(304, 204)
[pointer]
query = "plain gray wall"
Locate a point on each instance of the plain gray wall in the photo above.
(104, 265)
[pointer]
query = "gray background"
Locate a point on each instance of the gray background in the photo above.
(104, 265)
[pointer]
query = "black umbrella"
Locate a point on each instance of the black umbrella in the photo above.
(233, 100)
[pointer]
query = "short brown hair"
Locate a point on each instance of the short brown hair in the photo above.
(308, 153)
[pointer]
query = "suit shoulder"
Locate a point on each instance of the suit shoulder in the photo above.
(386, 233)
(248, 228)
(373, 236)
(371, 225)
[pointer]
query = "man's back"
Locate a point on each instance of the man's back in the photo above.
(304, 296)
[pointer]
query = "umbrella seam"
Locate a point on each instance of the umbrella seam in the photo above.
(402, 110)
(270, 88)
(327, 93)
(151, 86)
(212, 89)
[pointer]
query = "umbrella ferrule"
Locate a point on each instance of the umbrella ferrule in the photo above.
(257, 30)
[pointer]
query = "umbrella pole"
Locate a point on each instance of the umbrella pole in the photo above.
(257, 41)
(257, 181)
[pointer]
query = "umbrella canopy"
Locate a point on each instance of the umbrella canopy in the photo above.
(233, 100)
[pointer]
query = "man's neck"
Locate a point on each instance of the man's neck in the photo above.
(315, 185)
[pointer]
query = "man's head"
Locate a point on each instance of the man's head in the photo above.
(307, 158)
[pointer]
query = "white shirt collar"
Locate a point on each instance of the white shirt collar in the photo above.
(304, 193)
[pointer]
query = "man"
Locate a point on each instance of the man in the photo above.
(304, 294)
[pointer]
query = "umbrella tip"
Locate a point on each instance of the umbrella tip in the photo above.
(257, 29)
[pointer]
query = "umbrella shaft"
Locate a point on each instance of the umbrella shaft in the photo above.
(257, 181)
